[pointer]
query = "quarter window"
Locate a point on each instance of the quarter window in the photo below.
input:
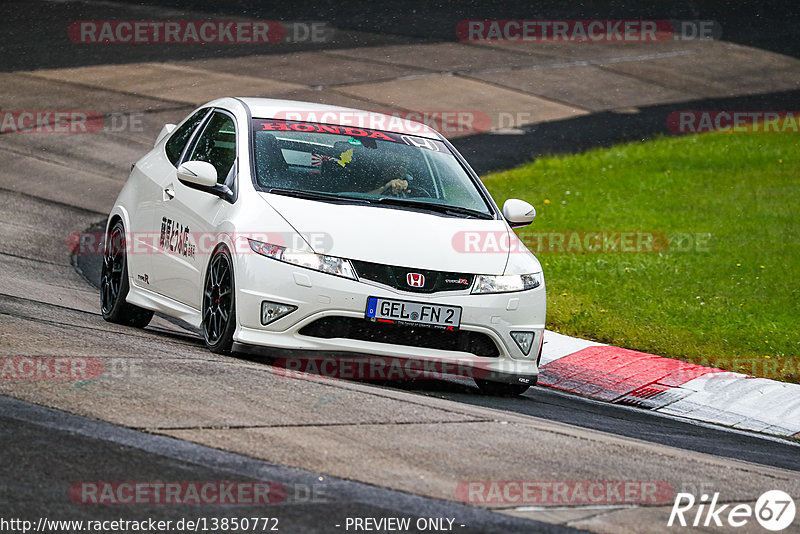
(174, 147)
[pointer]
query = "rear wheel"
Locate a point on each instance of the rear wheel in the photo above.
(501, 389)
(219, 305)
(114, 285)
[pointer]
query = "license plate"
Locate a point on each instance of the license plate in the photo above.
(416, 313)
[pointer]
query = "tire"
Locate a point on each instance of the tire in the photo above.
(501, 389)
(219, 303)
(114, 284)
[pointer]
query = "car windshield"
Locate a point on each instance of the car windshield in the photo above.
(323, 161)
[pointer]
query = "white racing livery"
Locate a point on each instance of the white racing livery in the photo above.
(326, 231)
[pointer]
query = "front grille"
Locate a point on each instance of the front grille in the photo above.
(414, 336)
(398, 277)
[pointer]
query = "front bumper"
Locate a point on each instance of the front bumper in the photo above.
(318, 295)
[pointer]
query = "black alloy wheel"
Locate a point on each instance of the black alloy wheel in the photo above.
(114, 285)
(219, 306)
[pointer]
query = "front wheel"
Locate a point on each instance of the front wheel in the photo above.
(501, 389)
(219, 304)
(114, 285)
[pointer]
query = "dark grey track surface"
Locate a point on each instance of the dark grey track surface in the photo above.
(632, 422)
(74, 449)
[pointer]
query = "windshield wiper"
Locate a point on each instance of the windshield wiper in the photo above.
(315, 195)
(438, 208)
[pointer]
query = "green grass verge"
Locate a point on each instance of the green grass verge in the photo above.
(723, 292)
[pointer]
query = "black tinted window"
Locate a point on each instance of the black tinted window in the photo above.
(180, 137)
(360, 163)
(216, 145)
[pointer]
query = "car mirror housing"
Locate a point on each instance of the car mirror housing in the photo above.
(518, 212)
(165, 131)
(198, 173)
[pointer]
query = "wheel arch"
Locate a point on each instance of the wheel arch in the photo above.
(118, 213)
(224, 241)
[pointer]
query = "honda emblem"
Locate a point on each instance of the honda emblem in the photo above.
(415, 280)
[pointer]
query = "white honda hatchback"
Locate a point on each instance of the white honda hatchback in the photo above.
(326, 231)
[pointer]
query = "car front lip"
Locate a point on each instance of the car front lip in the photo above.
(319, 295)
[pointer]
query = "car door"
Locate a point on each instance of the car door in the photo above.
(186, 214)
(151, 173)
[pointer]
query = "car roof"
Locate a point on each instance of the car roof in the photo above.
(269, 108)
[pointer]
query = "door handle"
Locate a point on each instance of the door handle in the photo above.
(169, 192)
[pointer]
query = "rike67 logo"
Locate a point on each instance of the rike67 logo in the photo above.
(774, 510)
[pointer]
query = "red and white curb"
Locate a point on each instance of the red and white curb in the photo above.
(624, 376)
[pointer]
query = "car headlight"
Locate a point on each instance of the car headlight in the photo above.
(309, 260)
(507, 283)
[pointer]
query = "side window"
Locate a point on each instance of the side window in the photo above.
(180, 137)
(216, 145)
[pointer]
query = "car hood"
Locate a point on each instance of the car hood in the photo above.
(393, 236)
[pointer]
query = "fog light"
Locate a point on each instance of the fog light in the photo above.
(524, 341)
(272, 311)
